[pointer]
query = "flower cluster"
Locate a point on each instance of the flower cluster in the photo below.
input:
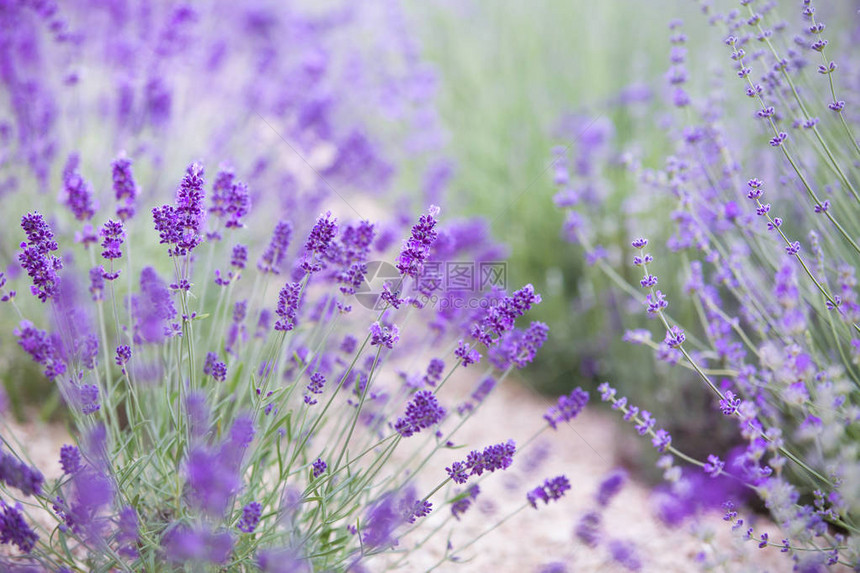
(492, 458)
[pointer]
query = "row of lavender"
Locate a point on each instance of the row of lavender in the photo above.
(763, 310)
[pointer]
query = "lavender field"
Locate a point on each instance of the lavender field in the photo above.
(450, 286)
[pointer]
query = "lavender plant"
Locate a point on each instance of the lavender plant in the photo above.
(261, 426)
(763, 234)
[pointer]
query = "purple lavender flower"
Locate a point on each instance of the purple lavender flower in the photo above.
(15, 473)
(466, 354)
(70, 459)
(551, 490)
(124, 187)
(462, 502)
(484, 388)
(661, 440)
(567, 408)
(123, 355)
(97, 283)
(152, 308)
(179, 226)
(113, 235)
(214, 367)
(316, 386)
(319, 468)
(41, 348)
(250, 517)
(500, 318)
(128, 532)
(211, 480)
(288, 307)
(36, 259)
(624, 553)
(492, 458)
(730, 403)
(714, 466)
(79, 193)
(609, 487)
(318, 243)
(588, 528)
(381, 335)
(239, 257)
(274, 254)
(183, 544)
(416, 250)
(13, 528)
(422, 412)
(434, 372)
(383, 518)
(88, 398)
(420, 508)
(230, 199)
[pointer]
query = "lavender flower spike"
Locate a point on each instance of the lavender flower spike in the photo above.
(415, 251)
(35, 256)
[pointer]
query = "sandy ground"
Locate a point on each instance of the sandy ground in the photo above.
(585, 451)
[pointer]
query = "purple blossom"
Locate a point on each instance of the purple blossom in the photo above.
(567, 408)
(124, 188)
(624, 553)
(123, 355)
(15, 473)
(250, 517)
(675, 337)
(466, 354)
(416, 249)
(275, 252)
(646, 423)
(714, 466)
(239, 257)
(381, 335)
(315, 386)
(550, 490)
(13, 528)
(39, 345)
(230, 199)
(318, 243)
(70, 459)
(434, 372)
(182, 544)
(421, 413)
(288, 307)
(319, 468)
(588, 528)
(656, 303)
(729, 405)
(492, 458)
(609, 487)
(463, 501)
(500, 318)
(383, 518)
(420, 508)
(36, 259)
(662, 440)
(113, 235)
(179, 226)
(97, 283)
(79, 193)
(128, 532)
(88, 398)
(152, 308)
(214, 367)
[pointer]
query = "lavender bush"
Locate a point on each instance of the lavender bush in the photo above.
(762, 308)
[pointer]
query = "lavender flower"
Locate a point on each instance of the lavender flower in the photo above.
(123, 355)
(230, 199)
(416, 250)
(609, 487)
(462, 502)
(381, 335)
(492, 458)
(152, 308)
(567, 408)
(15, 473)
(183, 544)
(214, 367)
(319, 468)
(288, 307)
(79, 193)
(421, 413)
(500, 318)
(250, 517)
(124, 187)
(318, 243)
(624, 553)
(36, 259)
(128, 532)
(70, 459)
(41, 348)
(179, 226)
(13, 528)
(466, 354)
(239, 257)
(316, 386)
(274, 254)
(550, 490)
(420, 508)
(97, 283)
(588, 528)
